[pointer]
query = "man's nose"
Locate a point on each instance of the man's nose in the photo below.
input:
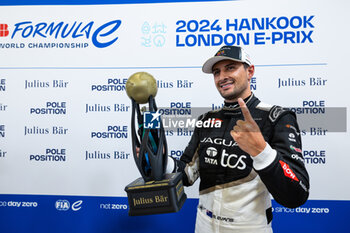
(222, 75)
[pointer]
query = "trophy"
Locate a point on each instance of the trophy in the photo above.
(154, 192)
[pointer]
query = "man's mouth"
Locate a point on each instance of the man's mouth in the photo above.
(226, 85)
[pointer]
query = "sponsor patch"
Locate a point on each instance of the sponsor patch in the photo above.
(288, 172)
(275, 112)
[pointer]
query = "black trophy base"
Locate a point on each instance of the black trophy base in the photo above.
(156, 197)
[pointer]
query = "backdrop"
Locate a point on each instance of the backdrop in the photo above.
(65, 146)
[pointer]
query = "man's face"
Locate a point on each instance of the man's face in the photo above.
(232, 80)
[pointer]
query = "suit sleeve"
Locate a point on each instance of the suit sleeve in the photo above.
(188, 164)
(281, 165)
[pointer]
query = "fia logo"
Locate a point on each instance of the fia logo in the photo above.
(151, 120)
(64, 205)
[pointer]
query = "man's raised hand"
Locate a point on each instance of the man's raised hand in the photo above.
(247, 133)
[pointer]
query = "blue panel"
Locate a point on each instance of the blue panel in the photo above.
(91, 218)
(55, 214)
(323, 217)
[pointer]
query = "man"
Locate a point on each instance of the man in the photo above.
(256, 152)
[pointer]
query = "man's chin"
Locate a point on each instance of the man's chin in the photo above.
(229, 97)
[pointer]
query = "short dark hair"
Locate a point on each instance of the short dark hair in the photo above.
(246, 66)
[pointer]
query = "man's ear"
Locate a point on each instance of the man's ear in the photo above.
(251, 71)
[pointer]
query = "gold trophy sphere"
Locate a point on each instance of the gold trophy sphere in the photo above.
(140, 86)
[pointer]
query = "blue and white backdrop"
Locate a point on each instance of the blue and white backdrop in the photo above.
(65, 147)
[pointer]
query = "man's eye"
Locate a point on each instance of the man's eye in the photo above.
(230, 67)
(215, 73)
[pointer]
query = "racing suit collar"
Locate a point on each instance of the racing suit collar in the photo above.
(235, 106)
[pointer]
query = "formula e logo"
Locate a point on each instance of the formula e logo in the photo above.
(102, 36)
(4, 30)
(62, 205)
(211, 151)
(77, 205)
(151, 120)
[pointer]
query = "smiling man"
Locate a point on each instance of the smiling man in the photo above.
(255, 153)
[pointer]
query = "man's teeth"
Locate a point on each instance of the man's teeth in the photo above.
(226, 85)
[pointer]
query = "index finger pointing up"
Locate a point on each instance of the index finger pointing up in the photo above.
(245, 111)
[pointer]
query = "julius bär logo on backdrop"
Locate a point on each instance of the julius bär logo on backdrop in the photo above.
(3, 107)
(4, 30)
(2, 153)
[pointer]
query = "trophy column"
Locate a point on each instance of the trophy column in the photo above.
(155, 191)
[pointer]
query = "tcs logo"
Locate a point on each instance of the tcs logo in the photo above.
(4, 30)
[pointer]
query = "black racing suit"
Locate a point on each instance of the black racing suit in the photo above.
(234, 186)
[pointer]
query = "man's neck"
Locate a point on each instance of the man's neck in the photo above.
(235, 104)
(244, 96)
